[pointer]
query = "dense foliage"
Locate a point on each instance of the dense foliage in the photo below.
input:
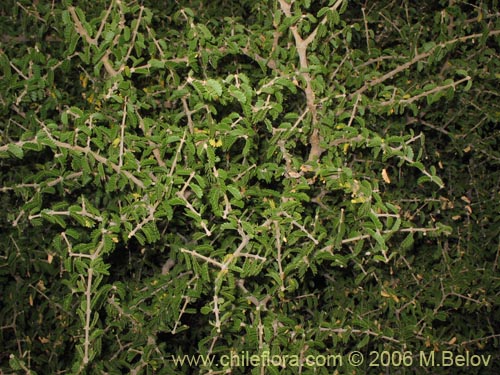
(212, 177)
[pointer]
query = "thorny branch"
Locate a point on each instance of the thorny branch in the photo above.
(425, 93)
(96, 156)
(301, 45)
(80, 29)
(419, 57)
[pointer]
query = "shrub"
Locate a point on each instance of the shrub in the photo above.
(248, 178)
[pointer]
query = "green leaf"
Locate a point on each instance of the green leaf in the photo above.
(407, 242)
(234, 191)
(418, 165)
(468, 85)
(287, 83)
(239, 95)
(151, 232)
(15, 363)
(423, 179)
(364, 341)
(323, 11)
(154, 63)
(197, 190)
(15, 150)
(428, 46)
(437, 180)
(359, 278)
(214, 88)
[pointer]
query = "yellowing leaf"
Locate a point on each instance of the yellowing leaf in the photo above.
(294, 174)
(346, 147)
(271, 203)
(84, 80)
(41, 285)
(385, 294)
(215, 143)
(44, 340)
(306, 168)
(360, 199)
(385, 176)
(116, 142)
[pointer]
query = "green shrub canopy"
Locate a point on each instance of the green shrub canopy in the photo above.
(291, 180)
